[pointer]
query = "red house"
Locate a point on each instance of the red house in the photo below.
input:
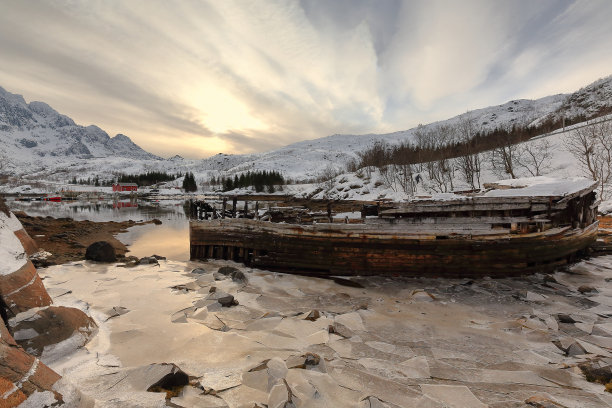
(125, 187)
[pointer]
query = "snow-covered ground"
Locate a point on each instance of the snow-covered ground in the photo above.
(12, 256)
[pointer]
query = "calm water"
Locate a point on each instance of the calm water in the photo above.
(171, 239)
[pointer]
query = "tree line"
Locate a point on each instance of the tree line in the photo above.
(143, 179)
(260, 180)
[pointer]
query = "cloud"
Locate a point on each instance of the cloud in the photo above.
(200, 77)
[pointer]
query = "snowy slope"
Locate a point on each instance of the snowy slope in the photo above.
(35, 136)
(39, 143)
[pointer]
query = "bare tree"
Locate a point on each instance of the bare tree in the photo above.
(504, 158)
(326, 177)
(469, 162)
(591, 145)
(535, 157)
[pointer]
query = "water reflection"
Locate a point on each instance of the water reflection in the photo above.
(135, 210)
(170, 239)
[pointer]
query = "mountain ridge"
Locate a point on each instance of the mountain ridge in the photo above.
(30, 135)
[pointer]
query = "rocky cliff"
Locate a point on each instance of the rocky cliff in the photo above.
(31, 326)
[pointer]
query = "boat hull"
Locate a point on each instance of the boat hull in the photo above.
(344, 249)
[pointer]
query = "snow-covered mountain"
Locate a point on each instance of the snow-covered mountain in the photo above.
(35, 135)
(39, 143)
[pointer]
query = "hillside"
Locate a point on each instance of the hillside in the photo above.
(39, 143)
(35, 136)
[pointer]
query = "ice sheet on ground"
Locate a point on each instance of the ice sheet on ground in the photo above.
(484, 337)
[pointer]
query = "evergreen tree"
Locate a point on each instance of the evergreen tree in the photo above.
(189, 183)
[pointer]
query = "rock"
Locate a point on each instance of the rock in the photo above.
(540, 401)
(308, 361)
(158, 257)
(164, 377)
(313, 315)
(227, 301)
(101, 251)
(156, 221)
(565, 318)
(597, 371)
(219, 276)
(23, 289)
(575, 349)
(129, 262)
(28, 243)
(21, 374)
(198, 271)
(46, 328)
(227, 270)
(587, 289)
(148, 260)
(239, 277)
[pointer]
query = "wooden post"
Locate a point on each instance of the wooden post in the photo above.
(224, 204)
(257, 210)
(329, 212)
(234, 201)
(246, 209)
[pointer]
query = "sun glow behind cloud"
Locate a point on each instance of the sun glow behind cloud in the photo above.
(200, 77)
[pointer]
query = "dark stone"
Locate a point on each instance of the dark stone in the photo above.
(148, 260)
(227, 301)
(565, 318)
(156, 221)
(239, 277)
(212, 289)
(158, 257)
(575, 350)
(101, 251)
(587, 289)
(172, 383)
(594, 372)
(227, 270)
(199, 271)
(313, 315)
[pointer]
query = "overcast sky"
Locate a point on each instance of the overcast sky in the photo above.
(196, 78)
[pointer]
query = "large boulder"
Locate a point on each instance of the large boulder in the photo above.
(23, 289)
(101, 251)
(21, 374)
(28, 243)
(46, 329)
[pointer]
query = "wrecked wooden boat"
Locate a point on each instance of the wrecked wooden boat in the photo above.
(513, 227)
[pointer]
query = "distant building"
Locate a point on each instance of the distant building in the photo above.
(125, 187)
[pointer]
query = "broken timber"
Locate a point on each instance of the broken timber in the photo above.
(484, 235)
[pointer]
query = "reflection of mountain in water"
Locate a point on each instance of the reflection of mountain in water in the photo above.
(135, 210)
